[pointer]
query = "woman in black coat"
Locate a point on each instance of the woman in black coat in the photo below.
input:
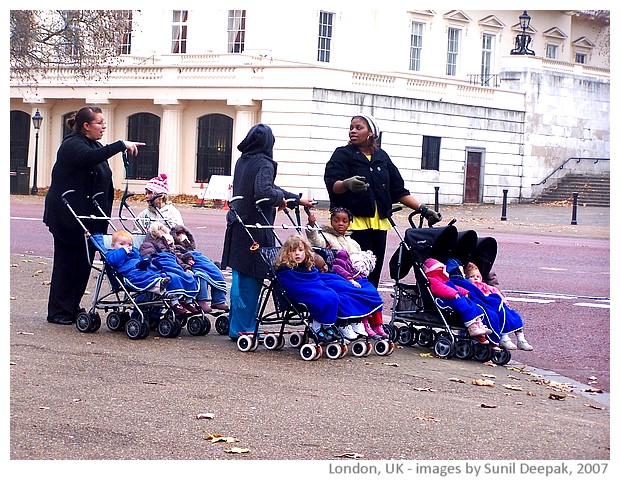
(253, 179)
(81, 165)
(362, 178)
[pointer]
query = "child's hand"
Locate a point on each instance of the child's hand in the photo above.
(127, 248)
(311, 219)
(356, 283)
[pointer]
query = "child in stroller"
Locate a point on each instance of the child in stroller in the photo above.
(457, 298)
(350, 262)
(511, 320)
(141, 273)
(327, 296)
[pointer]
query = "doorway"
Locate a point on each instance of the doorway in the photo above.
(473, 176)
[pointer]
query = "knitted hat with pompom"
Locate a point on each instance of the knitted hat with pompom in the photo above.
(158, 184)
(431, 264)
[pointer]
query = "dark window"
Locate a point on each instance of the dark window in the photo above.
(214, 151)
(125, 41)
(179, 31)
(430, 153)
(66, 130)
(20, 125)
(144, 127)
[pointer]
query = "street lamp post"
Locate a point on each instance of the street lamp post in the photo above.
(36, 123)
(523, 39)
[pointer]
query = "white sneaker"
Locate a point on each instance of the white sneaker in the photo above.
(507, 344)
(524, 345)
(359, 329)
(348, 332)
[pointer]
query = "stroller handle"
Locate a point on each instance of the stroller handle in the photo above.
(64, 200)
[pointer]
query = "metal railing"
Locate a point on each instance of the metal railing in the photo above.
(577, 160)
(486, 80)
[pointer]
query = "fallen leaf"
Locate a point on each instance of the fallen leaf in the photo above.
(350, 455)
(484, 405)
(46, 282)
(25, 333)
(426, 419)
(483, 383)
(37, 273)
(513, 387)
(224, 439)
(14, 265)
(426, 355)
(12, 298)
(205, 415)
(592, 390)
(237, 450)
(557, 396)
(424, 389)
(455, 379)
(391, 364)
(44, 408)
(211, 436)
(488, 375)
(596, 407)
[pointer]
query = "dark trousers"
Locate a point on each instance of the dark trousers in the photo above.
(376, 241)
(70, 274)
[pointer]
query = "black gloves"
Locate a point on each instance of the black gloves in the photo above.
(431, 216)
(356, 184)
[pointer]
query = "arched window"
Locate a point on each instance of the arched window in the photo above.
(20, 139)
(214, 150)
(144, 127)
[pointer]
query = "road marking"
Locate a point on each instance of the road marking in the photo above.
(529, 300)
(595, 305)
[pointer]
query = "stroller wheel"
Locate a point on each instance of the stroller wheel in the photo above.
(333, 351)
(482, 353)
(245, 343)
(404, 335)
(195, 325)
(95, 322)
(83, 322)
(133, 329)
(501, 357)
(296, 339)
(426, 337)
(382, 347)
(166, 327)
(206, 326)
(359, 348)
(281, 342)
(222, 324)
(463, 349)
(114, 321)
(309, 351)
(271, 341)
(391, 331)
(368, 349)
(443, 348)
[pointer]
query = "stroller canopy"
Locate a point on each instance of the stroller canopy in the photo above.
(484, 255)
(465, 247)
(423, 243)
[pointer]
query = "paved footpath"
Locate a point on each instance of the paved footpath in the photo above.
(102, 396)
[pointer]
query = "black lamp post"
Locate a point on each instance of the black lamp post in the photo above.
(523, 39)
(36, 123)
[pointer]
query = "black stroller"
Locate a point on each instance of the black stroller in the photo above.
(417, 318)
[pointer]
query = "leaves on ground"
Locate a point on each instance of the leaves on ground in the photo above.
(353, 455)
(518, 388)
(595, 407)
(485, 405)
(424, 389)
(457, 380)
(557, 396)
(237, 450)
(483, 383)
(426, 418)
(216, 437)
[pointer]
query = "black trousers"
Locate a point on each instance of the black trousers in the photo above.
(70, 274)
(376, 241)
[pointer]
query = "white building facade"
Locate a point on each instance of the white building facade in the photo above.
(459, 114)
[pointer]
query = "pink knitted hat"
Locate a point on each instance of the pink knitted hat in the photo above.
(158, 184)
(431, 264)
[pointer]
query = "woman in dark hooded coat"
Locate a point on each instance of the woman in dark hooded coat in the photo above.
(253, 179)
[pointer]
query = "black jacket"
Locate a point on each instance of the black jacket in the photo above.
(386, 185)
(253, 179)
(81, 165)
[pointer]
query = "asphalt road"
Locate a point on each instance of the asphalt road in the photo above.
(102, 396)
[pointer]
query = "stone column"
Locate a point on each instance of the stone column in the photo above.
(171, 144)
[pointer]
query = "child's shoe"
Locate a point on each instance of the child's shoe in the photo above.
(359, 329)
(369, 331)
(204, 305)
(507, 344)
(179, 309)
(379, 330)
(475, 329)
(189, 307)
(487, 331)
(524, 345)
(347, 332)
(220, 306)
